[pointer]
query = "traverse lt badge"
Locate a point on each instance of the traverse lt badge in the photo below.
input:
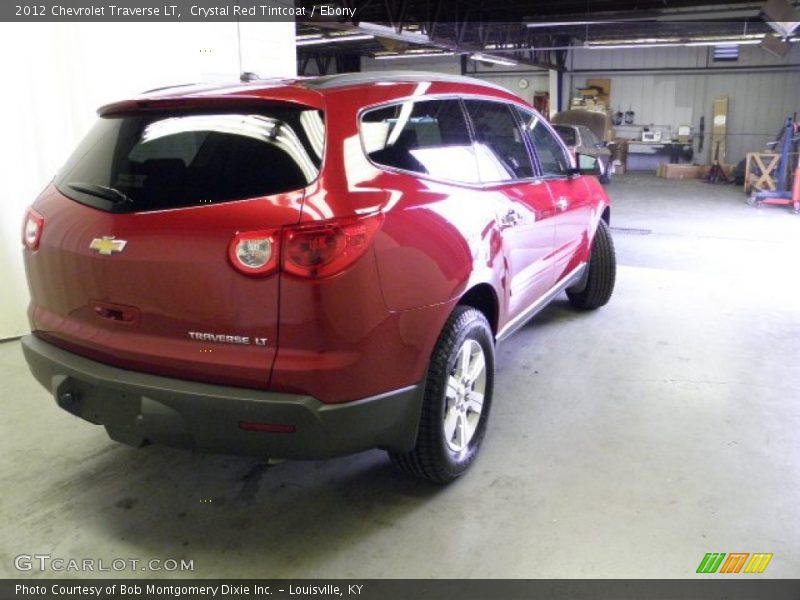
(107, 245)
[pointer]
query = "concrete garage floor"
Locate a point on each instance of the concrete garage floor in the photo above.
(627, 442)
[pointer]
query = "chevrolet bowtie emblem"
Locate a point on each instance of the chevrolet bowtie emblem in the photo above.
(107, 245)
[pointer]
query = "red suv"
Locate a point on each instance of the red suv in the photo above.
(306, 268)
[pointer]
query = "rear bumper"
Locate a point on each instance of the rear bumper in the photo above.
(137, 408)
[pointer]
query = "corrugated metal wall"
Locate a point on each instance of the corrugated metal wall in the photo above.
(760, 98)
(449, 64)
(537, 80)
(666, 87)
(672, 56)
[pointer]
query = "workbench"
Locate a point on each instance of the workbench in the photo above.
(646, 156)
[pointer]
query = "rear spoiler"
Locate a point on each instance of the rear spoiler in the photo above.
(292, 95)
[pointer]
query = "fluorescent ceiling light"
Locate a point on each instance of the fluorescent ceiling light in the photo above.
(724, 43)
(697, 13)
(314, 40)
(509, 47)
(675, 42)
(671, 44)
(412, 55)
(494, 59)
(623, 46)
(690, 14)
(390, 32)
(565, 23)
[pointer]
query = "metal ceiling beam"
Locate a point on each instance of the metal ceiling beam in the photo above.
(694, 13)
(427, 40)
(459, 27)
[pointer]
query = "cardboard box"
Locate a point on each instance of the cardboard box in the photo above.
(678, 171)
(604, 90)
(601, 84)
(684, 171)
(684, 134)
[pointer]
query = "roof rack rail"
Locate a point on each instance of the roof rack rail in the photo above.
(345, 79)
(169, 87)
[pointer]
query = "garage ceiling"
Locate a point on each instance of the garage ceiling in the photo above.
(532, 33)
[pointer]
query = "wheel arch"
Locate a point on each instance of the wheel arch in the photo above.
(482, 297)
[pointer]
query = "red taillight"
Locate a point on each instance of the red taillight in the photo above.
(317, 250)
(255, 252)
(312, 250)
(32, 229)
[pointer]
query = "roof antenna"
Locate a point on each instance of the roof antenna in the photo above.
(248, 76)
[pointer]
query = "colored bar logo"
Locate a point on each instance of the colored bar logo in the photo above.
(736, 562)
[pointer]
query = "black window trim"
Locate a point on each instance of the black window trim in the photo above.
(549, 127)
(520, 127)
(537, 177)
(92, 202)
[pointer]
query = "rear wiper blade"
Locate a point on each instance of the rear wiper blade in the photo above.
(102, 191)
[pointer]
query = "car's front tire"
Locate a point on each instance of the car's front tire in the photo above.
(458, 395)
(602, 171)
(599, 283)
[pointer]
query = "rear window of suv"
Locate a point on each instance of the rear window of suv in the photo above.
(160, 160)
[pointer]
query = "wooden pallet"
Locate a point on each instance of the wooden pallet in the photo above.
(767, 165)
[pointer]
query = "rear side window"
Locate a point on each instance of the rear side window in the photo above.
(155, 161)
(428, 137)
(553, 159)
(502, 154)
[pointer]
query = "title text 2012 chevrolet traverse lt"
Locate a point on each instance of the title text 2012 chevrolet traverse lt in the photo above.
(306, 268)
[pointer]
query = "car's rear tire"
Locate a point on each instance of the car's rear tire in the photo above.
(602, 272)
(458, 395)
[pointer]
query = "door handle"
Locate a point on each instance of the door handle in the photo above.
(510, 219)
(562, 203)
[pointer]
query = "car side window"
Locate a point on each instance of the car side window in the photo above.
(567, 134)
(590, 140)
(500, 143)
(553, 159)
(428, 136)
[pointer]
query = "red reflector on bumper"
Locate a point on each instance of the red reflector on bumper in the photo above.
(266, 427)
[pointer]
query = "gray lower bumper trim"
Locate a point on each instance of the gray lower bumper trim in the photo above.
(137, 408)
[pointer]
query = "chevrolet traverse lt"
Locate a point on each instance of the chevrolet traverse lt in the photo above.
(306, 268)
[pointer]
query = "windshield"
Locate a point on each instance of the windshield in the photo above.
(156, 161)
